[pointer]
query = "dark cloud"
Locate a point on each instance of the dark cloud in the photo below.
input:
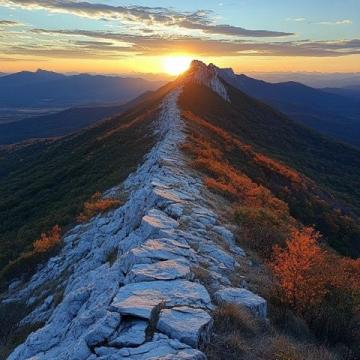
(231, 30)
(199, 20)
(9, 23)
(157, 45)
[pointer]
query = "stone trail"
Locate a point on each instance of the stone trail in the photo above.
(147, 303)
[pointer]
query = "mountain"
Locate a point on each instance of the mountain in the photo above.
(334, 115)
(43, 89)
(57, 124)
(30, 78)
(350, 91)
(183, 202)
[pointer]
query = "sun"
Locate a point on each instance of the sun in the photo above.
(175, 65)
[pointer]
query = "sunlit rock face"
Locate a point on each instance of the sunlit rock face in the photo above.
(207, 75)
(147, 304)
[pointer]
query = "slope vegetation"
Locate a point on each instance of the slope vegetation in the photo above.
(46, 183)
(328, 195)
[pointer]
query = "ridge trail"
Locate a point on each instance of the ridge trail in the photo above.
(147, 304)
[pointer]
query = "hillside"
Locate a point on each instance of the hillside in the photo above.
(60, 123)
(43, 89)
(334, 115)
(198, 224)
(53, 125)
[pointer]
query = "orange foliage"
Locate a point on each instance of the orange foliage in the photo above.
(231, 142)
(48, 240)
(97, 205)
(306, 273)
(227, 180)
(301, 270)
(285, 171)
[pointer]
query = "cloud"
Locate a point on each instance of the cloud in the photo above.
(198, 20)
(9, 23)
(231, 30)
(298, 19)
(337, 22)
(157, 45)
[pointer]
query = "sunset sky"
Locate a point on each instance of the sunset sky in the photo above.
(116, 36)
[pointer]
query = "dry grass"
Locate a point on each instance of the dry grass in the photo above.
(97, 205)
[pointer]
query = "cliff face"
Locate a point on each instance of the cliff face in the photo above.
(125, 285)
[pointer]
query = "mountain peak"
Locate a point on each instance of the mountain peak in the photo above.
(207, 75)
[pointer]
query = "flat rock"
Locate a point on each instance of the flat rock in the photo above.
(218, 254)
(140, 299)
(161, 347)
(155, 221)
(154, 250)
(188, 325)
(243, 297)
(131, 333)
(103, 329)
(167, 196)
(161, 270)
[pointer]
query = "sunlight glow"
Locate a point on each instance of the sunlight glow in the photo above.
(175, 65)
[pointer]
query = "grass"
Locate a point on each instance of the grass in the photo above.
(237, 335)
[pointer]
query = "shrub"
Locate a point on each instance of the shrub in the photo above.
(97, 205)
(48, 240)
(300, 270)
(321, 287)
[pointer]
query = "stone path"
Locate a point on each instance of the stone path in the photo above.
(147, 304)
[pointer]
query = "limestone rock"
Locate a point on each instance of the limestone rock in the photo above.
(161, 347)
(103, 329)
(131, 333)
(161, 270)
(154, 250)
(140, 299)
(155, 221)
(243, 297)
(188, 325)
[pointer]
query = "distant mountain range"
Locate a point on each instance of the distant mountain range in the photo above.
(350, 91)
(313, 79)
(332, 114)
(60, 123)
(49, 89)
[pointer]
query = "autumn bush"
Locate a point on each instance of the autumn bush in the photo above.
(97, 204)
(322, 287)
(48, 240)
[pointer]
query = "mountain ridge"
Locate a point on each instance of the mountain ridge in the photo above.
(151, 278)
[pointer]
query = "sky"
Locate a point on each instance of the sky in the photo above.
(116, 36)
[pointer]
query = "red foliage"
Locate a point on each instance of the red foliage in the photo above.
(97, 205)
(300, 269)
(48, 240)
(306, 272)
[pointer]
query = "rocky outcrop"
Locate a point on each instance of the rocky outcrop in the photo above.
(242, 297)
(202, 74)
(147, 304)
